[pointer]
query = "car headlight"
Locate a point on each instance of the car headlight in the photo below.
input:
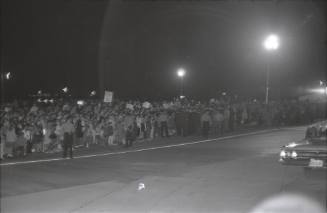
(291, 145)
(282, 154)
(294, 154)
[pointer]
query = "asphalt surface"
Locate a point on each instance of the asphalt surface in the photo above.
(230, 174)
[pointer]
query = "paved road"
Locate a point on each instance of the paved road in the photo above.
(225, 175)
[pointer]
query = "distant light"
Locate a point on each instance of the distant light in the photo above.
(181, 72)
(93, 93)
(51, 100)
(65, 89)
(80, 103)
(8, 74)
(39, 100)
(271, 42)
(321, 83)
(182, 96)
(45, 100)
(224, 93)
(39, 92)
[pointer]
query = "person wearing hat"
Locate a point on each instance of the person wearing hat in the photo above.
(68, 130)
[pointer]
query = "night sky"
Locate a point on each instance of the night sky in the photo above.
(135, 47)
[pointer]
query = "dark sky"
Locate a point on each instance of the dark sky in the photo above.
(135, 47)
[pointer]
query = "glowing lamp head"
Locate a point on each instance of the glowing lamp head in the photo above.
(271, 42)
(93, 93)
(65, 90)
(8, 75)
(181, 73)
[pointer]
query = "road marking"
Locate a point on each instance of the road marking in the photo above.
(140, 150)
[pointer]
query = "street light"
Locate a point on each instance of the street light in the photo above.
(8, 75)
(65, 89)
(93, 93)
(181, 73)
(271, 43)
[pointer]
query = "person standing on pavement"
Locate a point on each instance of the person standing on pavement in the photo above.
(163, 119)
(79, 132)
(206, 121)
(110, 132)
(218, 122)
(226, 118)
(130, 136)
(68, 130)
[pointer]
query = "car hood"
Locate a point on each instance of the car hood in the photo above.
(306, 145)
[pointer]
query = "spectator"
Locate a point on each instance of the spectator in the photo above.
(20, 146)
(2, 141)
(11, 138)
(157, 118)
(28, 136)
(78, 132)
(218, 119)
(130, 136)
(226, 119)
(163, 120)
(206, 121)
(68, 130)
(108, 133)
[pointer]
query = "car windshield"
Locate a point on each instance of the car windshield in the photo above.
(317, 134)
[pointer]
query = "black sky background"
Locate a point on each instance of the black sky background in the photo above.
(135, 47)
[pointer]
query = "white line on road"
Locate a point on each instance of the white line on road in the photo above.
(139, 150)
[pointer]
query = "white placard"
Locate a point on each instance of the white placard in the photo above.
(108, 96)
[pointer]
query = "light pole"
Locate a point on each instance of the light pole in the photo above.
(271, 43)
(181, 74)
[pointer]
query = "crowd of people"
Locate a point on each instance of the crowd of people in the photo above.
(63, 125)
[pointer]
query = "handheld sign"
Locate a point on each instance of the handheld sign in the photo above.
(108, 96)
